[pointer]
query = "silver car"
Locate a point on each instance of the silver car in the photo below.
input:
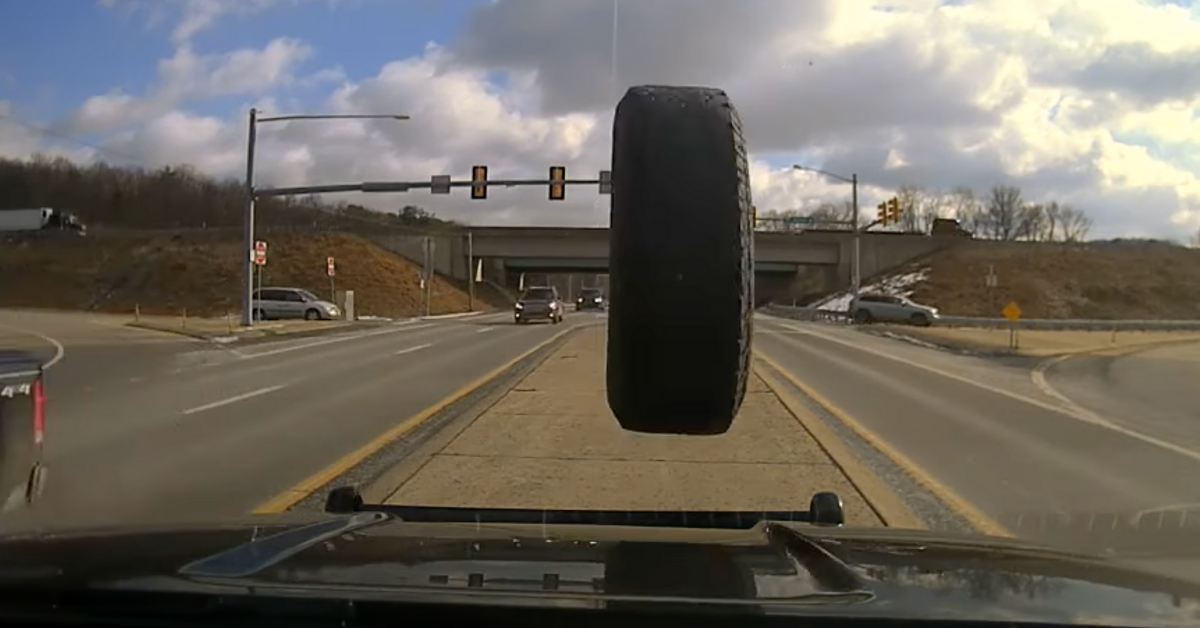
(276, 303)
(883, 308)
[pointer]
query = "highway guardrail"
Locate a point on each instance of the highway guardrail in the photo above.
(979, 322)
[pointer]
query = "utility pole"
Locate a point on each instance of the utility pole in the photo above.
(470, 272)
(856, 271)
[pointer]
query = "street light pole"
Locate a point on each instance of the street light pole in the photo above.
(248, 228)
(856, 259)
(248, 215)
(856, 278)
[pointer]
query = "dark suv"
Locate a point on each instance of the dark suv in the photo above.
(538, 304)
(590, 299)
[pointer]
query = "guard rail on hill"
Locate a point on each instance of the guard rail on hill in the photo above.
(979, 322)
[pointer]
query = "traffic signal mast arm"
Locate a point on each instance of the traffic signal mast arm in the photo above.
(441, 184)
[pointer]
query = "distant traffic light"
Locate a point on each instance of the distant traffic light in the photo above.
(883, 213)
(893, 210)
(558, 189)
(479, 175)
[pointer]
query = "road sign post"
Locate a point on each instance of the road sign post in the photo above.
(331, 270)
(260, 260)
(1012, 312)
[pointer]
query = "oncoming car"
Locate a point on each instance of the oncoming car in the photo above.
(590, 299)
(540, 303)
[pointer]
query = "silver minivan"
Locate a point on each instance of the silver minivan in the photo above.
(275, 303)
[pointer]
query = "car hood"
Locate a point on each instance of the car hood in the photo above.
(859, 572)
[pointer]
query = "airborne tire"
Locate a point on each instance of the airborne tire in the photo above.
(681, 256)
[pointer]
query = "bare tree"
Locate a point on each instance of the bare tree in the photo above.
(1003, 209)
(1052, 213)
(1031, 223)
(966, 208)
(1075, 224)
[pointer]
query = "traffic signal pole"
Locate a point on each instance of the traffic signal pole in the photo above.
(856, 271)
(248, 264)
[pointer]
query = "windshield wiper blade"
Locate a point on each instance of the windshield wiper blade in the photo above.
(824, 509)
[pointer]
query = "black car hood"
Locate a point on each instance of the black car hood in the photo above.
(892, 573)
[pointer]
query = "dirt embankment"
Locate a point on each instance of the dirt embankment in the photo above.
(1065, 280)
(201, 273)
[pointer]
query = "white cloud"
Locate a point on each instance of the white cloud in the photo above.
(1043, 94)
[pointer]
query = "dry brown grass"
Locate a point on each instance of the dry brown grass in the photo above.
(1066, 281)
(199, 273)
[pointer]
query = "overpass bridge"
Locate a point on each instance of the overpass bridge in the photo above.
(793, 264)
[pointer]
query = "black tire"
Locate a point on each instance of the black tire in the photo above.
(825, 508)
(919, 320)
(681, 256)
(343, 500)
(862, 317)
(312, 315)
(259, 315)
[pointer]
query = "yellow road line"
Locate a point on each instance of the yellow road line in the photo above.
(308, 486)
(879, 496)
(974, 516)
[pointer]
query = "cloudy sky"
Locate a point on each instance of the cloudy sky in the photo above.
(1088, 102)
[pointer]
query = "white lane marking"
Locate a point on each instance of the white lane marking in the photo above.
(412, 349)
(1073, 410)
(329, 341)
(484, 330)
(234, 399)
(59, 349)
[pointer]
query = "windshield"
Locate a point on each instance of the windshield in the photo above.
(538, 295)
(607, 255)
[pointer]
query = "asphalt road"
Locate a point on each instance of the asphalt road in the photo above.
(1151, 390)
(146, 427)
(1013, 454)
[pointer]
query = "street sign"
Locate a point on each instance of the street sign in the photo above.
(1012, 311)
(330, 269)
(260, 253)
(440, 184)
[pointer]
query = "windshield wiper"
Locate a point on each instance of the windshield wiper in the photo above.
(825, 509)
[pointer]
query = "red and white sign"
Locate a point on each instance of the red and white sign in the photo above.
(329, 266)
(260, 252)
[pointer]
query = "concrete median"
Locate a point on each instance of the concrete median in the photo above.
(550, 441)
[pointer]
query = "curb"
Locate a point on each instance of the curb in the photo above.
(224, 337)
(438, 317)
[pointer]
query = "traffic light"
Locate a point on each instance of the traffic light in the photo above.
(558, 191)
(893, 210)
(883, 213)
(479, 175)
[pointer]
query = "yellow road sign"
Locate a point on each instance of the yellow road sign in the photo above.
(1012, 311)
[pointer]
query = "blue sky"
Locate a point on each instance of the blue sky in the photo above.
(95, 49)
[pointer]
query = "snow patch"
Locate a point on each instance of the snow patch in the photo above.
(898, 285)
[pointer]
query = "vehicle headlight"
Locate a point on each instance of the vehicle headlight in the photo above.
(598, 299)
(553, 305)
(519, 306)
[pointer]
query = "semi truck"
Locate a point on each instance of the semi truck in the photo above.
(39, 222)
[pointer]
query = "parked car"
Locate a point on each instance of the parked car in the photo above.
(590, 299)
(872, 308)
(540, 303)
(274, 303)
